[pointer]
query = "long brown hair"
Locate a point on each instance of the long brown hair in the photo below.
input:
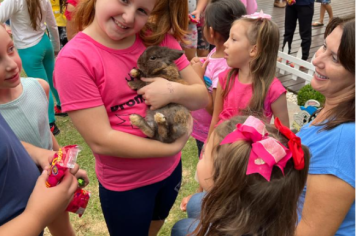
(241, 204)
(345, 111)
(35, 12)
(265, 35)
(166, 16)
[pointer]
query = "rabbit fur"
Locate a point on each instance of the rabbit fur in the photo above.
(170, 122)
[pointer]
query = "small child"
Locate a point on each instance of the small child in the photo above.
(250, 86)
(219, 15)
(253, 174)
(24, 106)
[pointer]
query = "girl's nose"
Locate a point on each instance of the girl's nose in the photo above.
(129, 16)
(10, 64)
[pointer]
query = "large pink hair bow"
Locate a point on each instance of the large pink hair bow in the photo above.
(266, 151)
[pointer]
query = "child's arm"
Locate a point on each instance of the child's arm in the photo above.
(94, 126)
(218, 107)
(161, 92)
(280, 110)
(200, 8)
(61, 226)
(43, 206)
(52, 27)
(45, 87)
(7, 9)
(41, 157)
(55, 143)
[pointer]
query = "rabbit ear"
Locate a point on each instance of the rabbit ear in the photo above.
(174, 54)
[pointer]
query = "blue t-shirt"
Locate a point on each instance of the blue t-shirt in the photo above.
(332, 153)
(18, 174)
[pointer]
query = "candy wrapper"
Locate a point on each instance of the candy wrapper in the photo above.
(64, 159)
(79, 202)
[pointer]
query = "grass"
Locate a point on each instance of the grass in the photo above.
(92, 222)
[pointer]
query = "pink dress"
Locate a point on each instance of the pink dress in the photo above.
(240, 95)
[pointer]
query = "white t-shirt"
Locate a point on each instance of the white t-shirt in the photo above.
(23, 33)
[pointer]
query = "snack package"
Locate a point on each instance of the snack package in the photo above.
(79, 202)
(64, 159)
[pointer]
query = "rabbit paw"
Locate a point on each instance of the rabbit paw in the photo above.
(135, 119)
(134, 73)
(159, 118)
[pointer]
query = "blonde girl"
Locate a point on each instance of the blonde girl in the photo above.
(251, 85)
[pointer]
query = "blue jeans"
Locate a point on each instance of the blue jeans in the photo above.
(188, 225)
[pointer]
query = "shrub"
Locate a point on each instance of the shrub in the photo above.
(306, 93)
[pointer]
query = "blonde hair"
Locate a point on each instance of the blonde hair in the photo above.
(241, 204)
(264, 34)
(167, 16)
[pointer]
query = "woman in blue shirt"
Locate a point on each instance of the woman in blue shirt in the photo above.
(328, 200)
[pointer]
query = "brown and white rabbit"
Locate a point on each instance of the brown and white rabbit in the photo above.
(170, 122)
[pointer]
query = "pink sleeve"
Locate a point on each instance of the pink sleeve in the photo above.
(76, 92)
(276, 89)
(170, 42)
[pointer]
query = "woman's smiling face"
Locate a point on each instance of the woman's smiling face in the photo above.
(331, 78)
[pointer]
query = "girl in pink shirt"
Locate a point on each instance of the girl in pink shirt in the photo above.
(219, 15)
(139, 178)
(250, 86)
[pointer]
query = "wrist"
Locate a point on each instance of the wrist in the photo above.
(175, 91)
(34, 219)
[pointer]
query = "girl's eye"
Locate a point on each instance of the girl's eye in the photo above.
(125, 1)
(142, 11)
(324, 46)
(11, 49)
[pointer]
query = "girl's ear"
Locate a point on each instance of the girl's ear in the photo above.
(253, 51)
(211, 32)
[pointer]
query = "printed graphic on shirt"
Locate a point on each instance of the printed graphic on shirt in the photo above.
(208, 82)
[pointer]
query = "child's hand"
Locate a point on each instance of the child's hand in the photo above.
(44, 157)
(184, 203)
(82, 174)
(196, 14)
(158, 93)
(199, 66)
(46, 203)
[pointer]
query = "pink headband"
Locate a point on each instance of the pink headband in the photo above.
(258, 15)
(266, 152)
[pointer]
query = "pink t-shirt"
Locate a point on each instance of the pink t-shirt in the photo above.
(240, 95)
(202, 118)
(87, 74)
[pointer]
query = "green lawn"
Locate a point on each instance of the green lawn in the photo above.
(92, 222)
